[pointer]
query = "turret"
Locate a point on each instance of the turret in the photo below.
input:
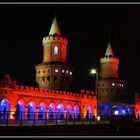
(109, 64)
(54, 45)
(54, 72)
(110, 87)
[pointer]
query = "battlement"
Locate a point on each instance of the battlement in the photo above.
(52, 39)
(40, 91)
(109, 59)
(87, 92)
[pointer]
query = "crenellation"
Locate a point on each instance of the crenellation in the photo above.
(36, 89)
(92, 93)
(27, 88)
(54, 39)
(87, 92)
(17, 87)
(64, 92)
(112, 59)
(53, 91)
(21, 87)
(41, 90)
(31, 89)
(57, 92)
(83, 91)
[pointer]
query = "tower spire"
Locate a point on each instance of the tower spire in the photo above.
(109, 51)
(55, 30)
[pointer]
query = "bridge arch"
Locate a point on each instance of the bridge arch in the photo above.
(4, 109)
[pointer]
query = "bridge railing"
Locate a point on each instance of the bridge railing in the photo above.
(57, 118)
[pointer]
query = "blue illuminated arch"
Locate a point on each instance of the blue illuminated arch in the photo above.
(51, 111)
(4, 109)
(20, 110)
(76, 112)
(60, 113)
(31, 110)
(69, 112)
(122, 110)
(42, 111)
(89, 112)
(105, 110)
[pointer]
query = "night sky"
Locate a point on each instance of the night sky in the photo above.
(87, 27)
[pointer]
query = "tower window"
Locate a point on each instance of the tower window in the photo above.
(56, 70)
(70, 73)
(113, 84)
(63, 71)
(56, 50)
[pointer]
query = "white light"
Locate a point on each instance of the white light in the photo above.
(98, 118)
(93, 71)
(116, 112)
(56, 70)
(122, 85)
(113, 84)
(63, 71)
(56, 50)
(70, 73)
(59, 106)
(67, 71)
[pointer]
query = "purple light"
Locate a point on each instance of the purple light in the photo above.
(63, 71)
(113, 84)
(56, 70)
(116, 112)
(59, 106)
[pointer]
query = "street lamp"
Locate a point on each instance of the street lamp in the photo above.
(94, 72)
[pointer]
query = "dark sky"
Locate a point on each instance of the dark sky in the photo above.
(87, 27)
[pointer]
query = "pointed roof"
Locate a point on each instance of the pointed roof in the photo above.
(109, 51)
(55, 28)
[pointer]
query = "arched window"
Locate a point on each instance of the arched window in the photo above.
(56, 50)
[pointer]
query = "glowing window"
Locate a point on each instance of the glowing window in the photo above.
(56, 50)
(113, 84)
(56, 70)
(116, 112)
(63, 71)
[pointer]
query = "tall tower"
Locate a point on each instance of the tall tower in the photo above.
(109, 64)
(110, 88)
(54, 73)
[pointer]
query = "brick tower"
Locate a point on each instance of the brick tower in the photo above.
(110, 88)
(54, 72)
